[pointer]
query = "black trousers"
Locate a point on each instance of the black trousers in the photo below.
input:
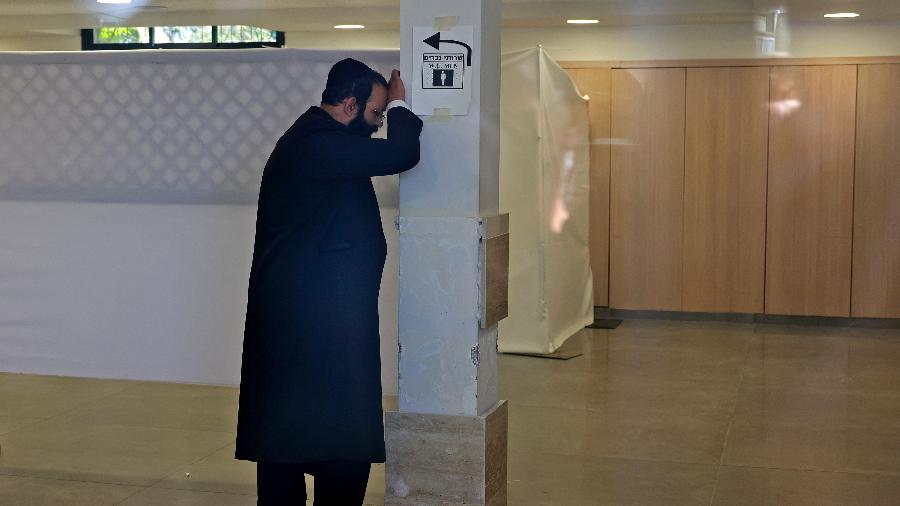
(336, 483)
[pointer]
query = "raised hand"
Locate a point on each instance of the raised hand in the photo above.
(396, 88)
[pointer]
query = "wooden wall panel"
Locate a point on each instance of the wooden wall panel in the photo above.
(595, 82)
(876, 229)
(725, 189)
(647, 188)
(810, 190)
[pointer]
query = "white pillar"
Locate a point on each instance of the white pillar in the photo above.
(447, 362)
(448, 442)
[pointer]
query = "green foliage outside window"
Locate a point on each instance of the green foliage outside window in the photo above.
(122, 35)
(244, 33)
(182, 34)
(196, 36)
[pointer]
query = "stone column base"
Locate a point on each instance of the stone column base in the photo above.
(446, 460)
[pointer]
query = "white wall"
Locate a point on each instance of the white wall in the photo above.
(127, 291)
(836, 38)
(840, 38)
(801, 40)
(636, 42)
(40, 43)
(344, 39)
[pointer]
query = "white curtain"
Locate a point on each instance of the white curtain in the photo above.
(544, 185)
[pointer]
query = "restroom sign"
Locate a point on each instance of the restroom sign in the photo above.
(443, 71)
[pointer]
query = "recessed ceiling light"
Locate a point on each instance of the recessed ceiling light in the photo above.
(842, 15)
(582, 21)
(113, 1)
(349, 27)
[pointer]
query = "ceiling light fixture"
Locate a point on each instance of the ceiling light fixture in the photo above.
(349, 27)
(582, 21)
(842, 15)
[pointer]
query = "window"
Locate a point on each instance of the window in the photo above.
(243, 33)
(180, 37)
(123, 35)
(183, 35)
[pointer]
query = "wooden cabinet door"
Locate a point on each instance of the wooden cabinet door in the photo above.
(810, 190)
(595, 82)
(647, 188)
(876, 217)
(725, 189)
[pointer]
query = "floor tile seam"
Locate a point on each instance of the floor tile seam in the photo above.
(136, 492)
(80, 406)
(715, 490)
(59, 475)
(175, 469)
(184, 429)
(680, 355)
(35, 420)
(13, 430)
(25, 417)
(640, 393)
(614, 378)
(173, 388)
(888, 474)
(50, 477)
(813, 389)
(160, 485)
(734, 406)
(163, 476)
(165, 384)
(87, 404)
(704, 413)
(596, 410)
(623, 458)
(7, 474)
(132, 425)
(895, 474)
(820, 426)
(659, 383)
(735, 399)
(695, 347)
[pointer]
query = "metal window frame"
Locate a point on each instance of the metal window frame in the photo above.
(88, 44)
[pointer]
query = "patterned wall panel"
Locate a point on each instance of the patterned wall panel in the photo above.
(153, 126)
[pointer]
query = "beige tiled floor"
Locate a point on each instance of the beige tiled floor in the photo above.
(655, 412)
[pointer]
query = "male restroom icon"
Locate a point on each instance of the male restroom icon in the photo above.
(443, 78)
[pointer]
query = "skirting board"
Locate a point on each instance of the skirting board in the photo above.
(877, 323)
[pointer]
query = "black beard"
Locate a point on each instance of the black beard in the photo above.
(360, 127)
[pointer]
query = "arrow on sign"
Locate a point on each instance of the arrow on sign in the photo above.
(435, 42)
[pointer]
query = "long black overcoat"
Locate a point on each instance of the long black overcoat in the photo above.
(311, 371)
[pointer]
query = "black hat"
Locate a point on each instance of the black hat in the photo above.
(350, 77)
(347, 69)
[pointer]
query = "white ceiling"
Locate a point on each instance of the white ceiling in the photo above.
(67, 16)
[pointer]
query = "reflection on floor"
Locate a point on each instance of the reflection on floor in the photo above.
(653, 412)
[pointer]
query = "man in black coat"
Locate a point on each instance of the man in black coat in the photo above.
(310, 399)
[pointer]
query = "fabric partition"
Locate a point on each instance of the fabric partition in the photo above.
(544, 185)
(128, 184)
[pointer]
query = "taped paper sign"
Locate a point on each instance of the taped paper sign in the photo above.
(444, 61)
